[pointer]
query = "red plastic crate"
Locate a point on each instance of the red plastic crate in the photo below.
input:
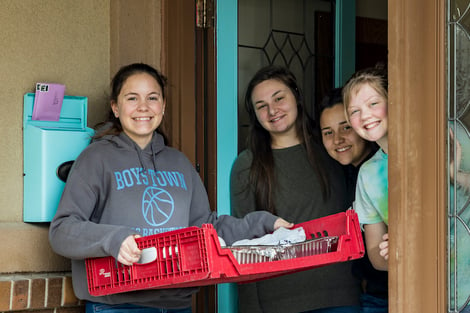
(193, 257)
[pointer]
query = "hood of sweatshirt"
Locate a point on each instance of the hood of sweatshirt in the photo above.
(123, 141)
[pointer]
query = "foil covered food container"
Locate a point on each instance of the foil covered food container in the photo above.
(265, 253)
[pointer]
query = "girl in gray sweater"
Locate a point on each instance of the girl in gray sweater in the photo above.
(129, 183)
(286, 171)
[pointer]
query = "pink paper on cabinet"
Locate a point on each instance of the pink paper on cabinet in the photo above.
(48, 101)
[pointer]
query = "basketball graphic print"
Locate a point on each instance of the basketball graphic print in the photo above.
(157, 206)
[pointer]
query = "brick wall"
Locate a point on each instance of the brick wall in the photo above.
(52, 293)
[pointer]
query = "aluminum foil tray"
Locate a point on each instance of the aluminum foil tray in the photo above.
(259, 254)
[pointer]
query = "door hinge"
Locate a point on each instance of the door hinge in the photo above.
(205, 13)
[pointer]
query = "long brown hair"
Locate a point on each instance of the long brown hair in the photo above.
(262, 175)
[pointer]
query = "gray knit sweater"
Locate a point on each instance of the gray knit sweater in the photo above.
(298, 198)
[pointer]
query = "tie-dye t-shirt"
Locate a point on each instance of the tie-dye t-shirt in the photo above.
(371, 202)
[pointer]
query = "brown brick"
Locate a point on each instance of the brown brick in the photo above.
(38, 293)
(69, 296)
(5, 292)
(36, 311)
(20, 294)
(54, 292)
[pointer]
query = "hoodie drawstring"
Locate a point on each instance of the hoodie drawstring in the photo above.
(153, 158)
(143, 168)
(140, 156)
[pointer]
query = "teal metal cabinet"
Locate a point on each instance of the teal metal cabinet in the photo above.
(46, 146)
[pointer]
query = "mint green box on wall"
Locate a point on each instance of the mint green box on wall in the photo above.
(46, 146)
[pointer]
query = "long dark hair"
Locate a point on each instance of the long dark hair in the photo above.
(262, 175)
(112, 125)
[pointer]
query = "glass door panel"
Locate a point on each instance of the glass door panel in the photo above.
(458, 27)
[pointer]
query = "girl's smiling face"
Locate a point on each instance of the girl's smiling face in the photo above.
(139, 107)
(367, 112)
(275, 107)
(340, 140)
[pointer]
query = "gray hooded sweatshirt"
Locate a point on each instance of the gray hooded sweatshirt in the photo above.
(116, 189)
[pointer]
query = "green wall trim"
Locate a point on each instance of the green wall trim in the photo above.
(345, 41)
(227, 94)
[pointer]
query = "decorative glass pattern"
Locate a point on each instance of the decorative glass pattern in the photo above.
(286, 48)
(458, 56)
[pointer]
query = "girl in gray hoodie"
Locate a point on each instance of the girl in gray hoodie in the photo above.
(128, 183)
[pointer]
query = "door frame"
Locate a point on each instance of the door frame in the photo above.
(227, 95)
(227, 123)
(417, 159)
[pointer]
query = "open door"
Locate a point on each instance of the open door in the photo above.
(188, 60)
(239, 55)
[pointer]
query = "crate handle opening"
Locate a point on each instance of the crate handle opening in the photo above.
(148, 255)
